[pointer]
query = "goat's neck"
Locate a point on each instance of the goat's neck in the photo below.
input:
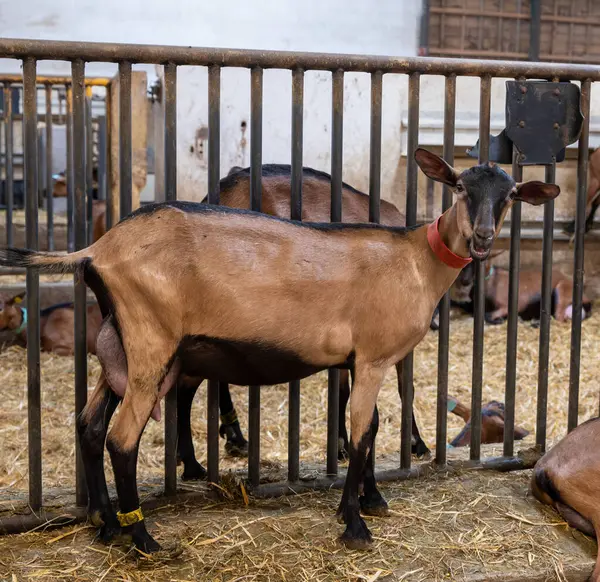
(441, 275)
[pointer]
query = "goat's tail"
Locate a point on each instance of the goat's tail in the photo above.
(44, 262)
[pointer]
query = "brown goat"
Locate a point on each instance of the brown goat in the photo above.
(316, 207)
(529, 301)
(257, 300)
(567, 478)
(593, 193)
(56, 324)
(492, 423)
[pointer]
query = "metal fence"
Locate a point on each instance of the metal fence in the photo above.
(53, 106)
(215, 59)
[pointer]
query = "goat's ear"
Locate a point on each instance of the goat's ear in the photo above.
(535, 192)
(435, 167)
(16, 299)
(520, 433)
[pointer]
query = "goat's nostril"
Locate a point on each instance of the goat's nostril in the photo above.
(485, 234)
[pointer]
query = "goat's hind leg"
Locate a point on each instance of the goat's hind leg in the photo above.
(92, 426)
(124, 440)
(186, 390)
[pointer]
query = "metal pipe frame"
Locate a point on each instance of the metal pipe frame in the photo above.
(49, 195)
(170, 153)
(8, 165)
(214, 194)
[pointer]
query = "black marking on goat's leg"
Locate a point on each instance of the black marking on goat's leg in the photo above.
(372, 502)
(418, 446)
(92, 426)
(365, 388)
(236, 445)
(186, 390)
(342, 432)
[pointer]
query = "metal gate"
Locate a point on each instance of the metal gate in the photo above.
(216, 59)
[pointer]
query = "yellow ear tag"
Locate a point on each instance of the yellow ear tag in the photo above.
(18, 299)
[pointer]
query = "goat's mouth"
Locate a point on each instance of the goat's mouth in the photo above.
(478, 252)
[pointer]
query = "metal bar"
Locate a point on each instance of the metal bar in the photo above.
(411, 219)
(214, 193)
(582, 170)
(8, 136)
(109, 178)
(183, 55)
(170, 146)
(69, 173)
(54, 80)
(79, 188)
(545, 316)
(375, 157)
(513, 317)
(535, 27)
(89, 164)
(73, 515)
(337, 141)
(477, 379)
(256, 103)
(424, 30)
(125, 176)
(102, 156)
(34, 415)
(49, 189)
(296, 214)
(441, 432)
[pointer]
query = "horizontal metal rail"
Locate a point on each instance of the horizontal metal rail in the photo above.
(180, 55)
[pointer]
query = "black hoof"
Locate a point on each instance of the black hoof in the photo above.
(140, 538)
(237, 449)
(108, 523)
(193, 471)
(496, 321)
(357, 535)
(236, 445)
(420, 449)
(376, 505)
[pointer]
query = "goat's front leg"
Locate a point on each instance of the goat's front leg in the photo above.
(365, 388)
(92, 426)
(123, 445)
(371, 501)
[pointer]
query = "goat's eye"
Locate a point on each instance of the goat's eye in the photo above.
(459, 188)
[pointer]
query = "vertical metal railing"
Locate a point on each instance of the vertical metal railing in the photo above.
(49, 196)
(295, 214)
(337, 139)
(545, 315)
(412, 175)
(214, 195)
(69, 173)
(256, 103)
(444, 326)
(125, 176)
(8, 165)
(582, 170)
(89, 165)
(375, 145)
(477, 379)
(170, 154)
(513, 317)
(34, 405)
(109, 181)
(79, 189)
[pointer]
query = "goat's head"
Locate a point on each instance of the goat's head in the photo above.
(484, 194)
(10, 316)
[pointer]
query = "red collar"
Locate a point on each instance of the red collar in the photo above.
(441, 251)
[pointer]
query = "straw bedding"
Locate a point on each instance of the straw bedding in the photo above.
(439, 528)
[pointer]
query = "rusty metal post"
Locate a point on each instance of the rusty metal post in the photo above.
(79, 188)
(441, 432)
(125, 176)
(34, 413)
(49, 189)
(170, 146)
(8, 151)
(214, 197)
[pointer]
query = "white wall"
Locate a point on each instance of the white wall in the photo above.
(345, 26)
